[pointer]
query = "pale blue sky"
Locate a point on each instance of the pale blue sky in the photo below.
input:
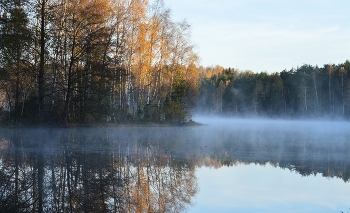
(267, 35)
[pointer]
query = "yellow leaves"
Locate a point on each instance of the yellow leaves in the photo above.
(211, 71)
(153, 43)
(98, 10)
(88, 12)
(154, 50)
(138, 9)
(192, 75)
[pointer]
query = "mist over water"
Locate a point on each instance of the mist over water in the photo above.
(297, 124)
(338, 129)
(314, 157)
(116, 162)
(305, 147)
(277, 131)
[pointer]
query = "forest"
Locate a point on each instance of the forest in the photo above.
(126, 61)
(82, 61)
(307, 92)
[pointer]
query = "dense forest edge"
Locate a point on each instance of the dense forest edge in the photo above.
(307, 92)
(126, 62)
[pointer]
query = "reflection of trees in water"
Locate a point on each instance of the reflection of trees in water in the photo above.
(81, 171)
(146, 169)
(307, 152)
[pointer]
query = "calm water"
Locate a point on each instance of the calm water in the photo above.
(225, 166)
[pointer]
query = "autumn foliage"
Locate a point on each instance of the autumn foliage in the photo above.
(87, 61)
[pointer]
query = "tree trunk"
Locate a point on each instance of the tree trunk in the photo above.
(69, 85)
(41, 89)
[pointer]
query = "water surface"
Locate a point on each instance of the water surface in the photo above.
(225, 166)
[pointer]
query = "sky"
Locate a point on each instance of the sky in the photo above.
(266, 35)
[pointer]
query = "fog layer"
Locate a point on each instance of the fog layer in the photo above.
(93, 164)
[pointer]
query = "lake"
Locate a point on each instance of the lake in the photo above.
(227, 165)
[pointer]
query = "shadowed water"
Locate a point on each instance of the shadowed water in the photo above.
(220, 166)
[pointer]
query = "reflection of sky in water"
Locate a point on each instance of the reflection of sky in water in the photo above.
(304, 148)
(255, 188)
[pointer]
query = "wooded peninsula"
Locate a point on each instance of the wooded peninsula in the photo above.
(126, 61)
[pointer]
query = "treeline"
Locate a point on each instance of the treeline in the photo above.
(305, 92)
(83, 61)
